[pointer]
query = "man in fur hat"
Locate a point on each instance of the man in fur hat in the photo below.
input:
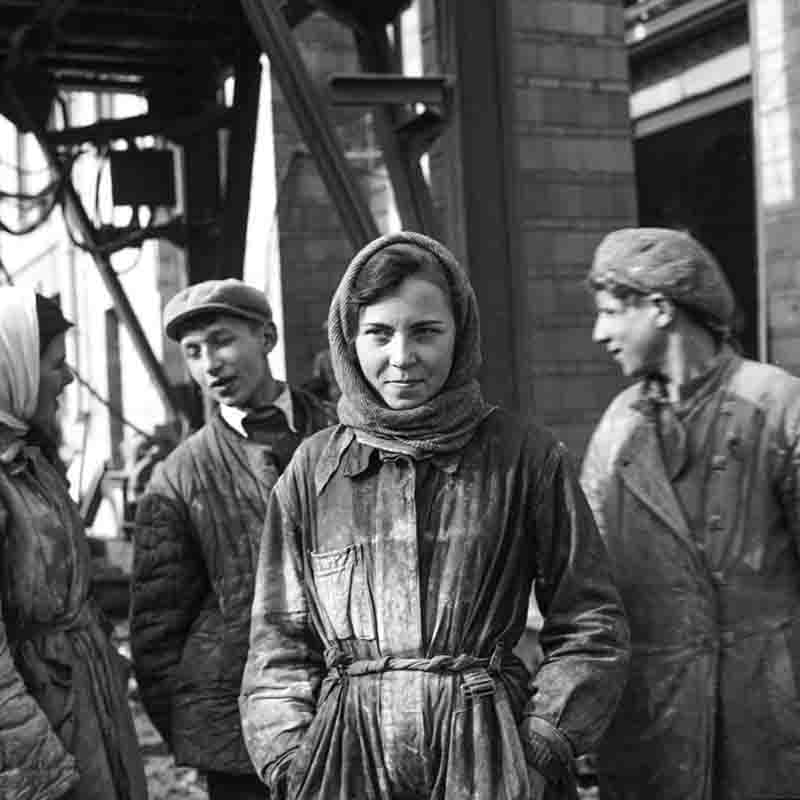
(694, 478)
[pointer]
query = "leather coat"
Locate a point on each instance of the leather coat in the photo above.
(712, 589)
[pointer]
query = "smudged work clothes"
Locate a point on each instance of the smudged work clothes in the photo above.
(64, 716)
(708, 567)
(197, 534)
(387, 607)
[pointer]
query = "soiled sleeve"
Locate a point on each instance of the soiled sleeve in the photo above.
(584, 638)
(786, 474)
(33, 761)
(285, 663)
(167, 588)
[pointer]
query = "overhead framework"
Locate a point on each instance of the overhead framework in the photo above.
(175, 53)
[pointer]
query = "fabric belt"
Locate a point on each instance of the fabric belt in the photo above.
(477, 674)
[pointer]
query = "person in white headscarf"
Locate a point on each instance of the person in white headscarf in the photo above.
(65, 729)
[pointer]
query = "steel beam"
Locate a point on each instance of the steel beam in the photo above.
(276, 40)
(478, 165)
(201, 178)
(685, 21)
(51, 11)
(374, 88)
(127, 315)
(240, 151)
(411, 191)
(116, 290)
(175, 129)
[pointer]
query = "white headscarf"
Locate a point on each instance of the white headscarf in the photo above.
(19, 359)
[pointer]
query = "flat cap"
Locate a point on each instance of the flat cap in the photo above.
(668, 261)
(228, 296)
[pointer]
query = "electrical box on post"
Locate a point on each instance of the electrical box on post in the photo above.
(142, 177)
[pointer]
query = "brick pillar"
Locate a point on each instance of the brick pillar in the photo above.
(775, 28)
(558, 129)
(313, 244)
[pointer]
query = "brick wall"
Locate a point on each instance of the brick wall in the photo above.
(313, 245)
(575, 183)
(572, 181)
(570, 169)
(775, 28)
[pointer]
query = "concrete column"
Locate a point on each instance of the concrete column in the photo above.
(775, 32)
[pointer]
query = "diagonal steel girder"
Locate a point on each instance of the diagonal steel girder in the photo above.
(74, 206)
(48, 15)
(276, 39)
(412, 195)
(114, 287)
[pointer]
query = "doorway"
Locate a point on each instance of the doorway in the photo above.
(699, 176)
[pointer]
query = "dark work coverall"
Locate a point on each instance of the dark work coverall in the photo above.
(390, 593)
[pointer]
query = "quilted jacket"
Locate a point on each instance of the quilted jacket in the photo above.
(196, 543)
(65, 721)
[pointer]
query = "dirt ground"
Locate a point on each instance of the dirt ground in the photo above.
(166, 781)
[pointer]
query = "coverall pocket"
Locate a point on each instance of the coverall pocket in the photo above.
(342, 584)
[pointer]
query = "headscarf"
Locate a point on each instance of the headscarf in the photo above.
(19, 364)
(671, 262)
(447, 421)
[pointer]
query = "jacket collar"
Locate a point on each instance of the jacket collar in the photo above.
(641, 468)
(235, 417)
(640, 462)
(344, 451)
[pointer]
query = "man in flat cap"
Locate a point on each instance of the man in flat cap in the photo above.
(198, 526)
(694, 477)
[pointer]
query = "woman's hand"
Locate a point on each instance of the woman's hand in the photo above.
(280, 782)
(537, 783)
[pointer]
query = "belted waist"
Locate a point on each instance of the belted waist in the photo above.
(477, 674)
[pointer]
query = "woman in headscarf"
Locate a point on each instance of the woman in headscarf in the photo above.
(65, 726)
(396, 567)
